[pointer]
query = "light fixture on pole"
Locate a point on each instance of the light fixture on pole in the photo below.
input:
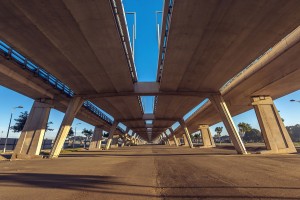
(75, 134)
(11, 114)
(293, 100)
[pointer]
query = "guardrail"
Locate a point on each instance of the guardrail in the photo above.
(11, 54)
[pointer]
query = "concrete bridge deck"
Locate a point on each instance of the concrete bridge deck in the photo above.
(153, 172)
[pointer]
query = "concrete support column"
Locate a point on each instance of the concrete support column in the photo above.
(111, 134)
(96, 139)
(73, 108)
(207, 139)
(167, 138)
(31, 138)
(221, 107)
(125, 137)
(186, 133)
(174, 137)
(276, 137)
(178, 141)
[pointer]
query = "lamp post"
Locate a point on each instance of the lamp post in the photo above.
(75, 134)
(11, 114)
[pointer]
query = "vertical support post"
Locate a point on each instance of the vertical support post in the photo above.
(73, 108)
(31, 138)
(125, 137)
(275, 135)
(174, 137)
(111, 134)
(167, 139)
(207, 139)
(186, 133)
(221, 107)
(97, 138)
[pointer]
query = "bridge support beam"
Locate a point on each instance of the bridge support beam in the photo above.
(186, 133)
(174, 137)
(167, 138)
(275, 135)
(111, 134)
(207, 139)
(96, 139)
(221, 107)
(31, 138)
(73, 108)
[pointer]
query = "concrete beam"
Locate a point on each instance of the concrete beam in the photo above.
(111, 134)
(148, 89)
(275, 135)
(73, 108)
(221, 107)
(24, 81)
(206, 136)
(96, 139)
(148, 117)
(186, 133)
(31, 138)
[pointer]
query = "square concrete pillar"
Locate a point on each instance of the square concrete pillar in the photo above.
(111, 134)
(96, 139)
(31, 138)
(178, 141)
(167, 138)
(275, 135)
(186, 135)
(221, 107)
(207, 139)
(73, 108)
(174, 137)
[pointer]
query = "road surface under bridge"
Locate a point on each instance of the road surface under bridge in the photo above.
(153, 172)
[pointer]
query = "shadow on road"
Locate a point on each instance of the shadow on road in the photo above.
(110, 185)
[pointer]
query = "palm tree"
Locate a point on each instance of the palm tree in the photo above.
(219, 130)
(243, 128)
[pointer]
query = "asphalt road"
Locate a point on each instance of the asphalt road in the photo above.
(152, 172)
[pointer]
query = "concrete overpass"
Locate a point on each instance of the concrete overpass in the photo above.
(207, 43)
(86, 46)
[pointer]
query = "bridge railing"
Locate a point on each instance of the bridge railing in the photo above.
(11, 54)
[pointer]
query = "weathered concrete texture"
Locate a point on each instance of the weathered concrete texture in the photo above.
(96, 139)
(186, 134)
(153, 172)
(221, 107)
(206, 136)
(31, 138)
(273, 130)
(111, 134)
(73, 107)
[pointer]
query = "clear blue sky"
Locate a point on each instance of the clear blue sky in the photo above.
(146, 56)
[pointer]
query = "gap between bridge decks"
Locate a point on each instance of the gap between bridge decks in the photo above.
(149, 89)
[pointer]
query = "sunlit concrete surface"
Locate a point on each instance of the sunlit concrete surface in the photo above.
(153, 172)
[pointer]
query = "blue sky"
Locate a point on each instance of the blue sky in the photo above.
(146, 56)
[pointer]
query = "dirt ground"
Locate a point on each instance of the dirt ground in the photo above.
(152, 172)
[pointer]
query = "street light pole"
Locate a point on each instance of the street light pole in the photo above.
(75, 134)
(11, 114)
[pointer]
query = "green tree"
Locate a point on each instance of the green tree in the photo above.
(88, 134)
(294, 132)
(20, 122)
(219, 130)
(105, 135)
(253, 135)
(243, 128)
(70, 133)
(197, 137)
